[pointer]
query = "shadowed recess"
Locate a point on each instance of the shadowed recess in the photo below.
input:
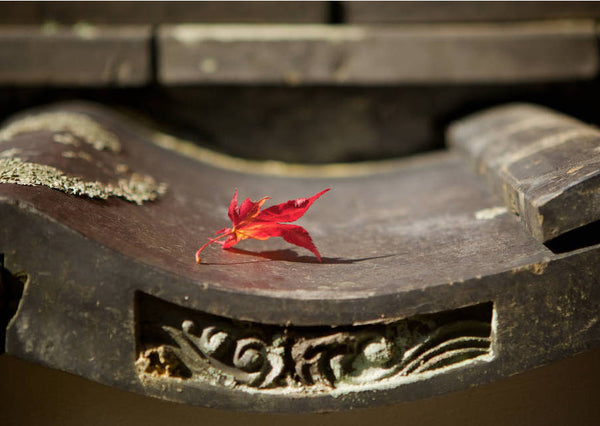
(586, 236)
(11, 290)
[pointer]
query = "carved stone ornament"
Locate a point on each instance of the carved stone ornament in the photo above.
(430, 284)
(178, 343)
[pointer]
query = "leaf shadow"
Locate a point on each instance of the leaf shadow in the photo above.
(288, 255)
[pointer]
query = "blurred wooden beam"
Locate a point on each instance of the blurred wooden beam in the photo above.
(428, 53)
(466, 11)
(76, 55)
(158, 12)
(99, 55)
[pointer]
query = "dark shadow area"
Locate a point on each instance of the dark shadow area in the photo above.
(586, 236)
(565, 392)
(311, 124)
(11, 290)
(336, 12)
(288, 255)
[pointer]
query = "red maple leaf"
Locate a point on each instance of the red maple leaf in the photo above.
(249, 221)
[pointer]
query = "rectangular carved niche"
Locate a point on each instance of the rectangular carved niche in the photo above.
(183, 344)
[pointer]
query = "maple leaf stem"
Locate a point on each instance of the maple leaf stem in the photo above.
(210, 241)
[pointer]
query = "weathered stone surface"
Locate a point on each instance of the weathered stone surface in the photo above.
(78, 55)
(401, 241)
(435, 53)
(184, 344)
(545, 165)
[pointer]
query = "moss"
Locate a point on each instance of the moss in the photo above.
(81, 154)
(12, 152)
(78, 125)
(65, 139)
(136, 188)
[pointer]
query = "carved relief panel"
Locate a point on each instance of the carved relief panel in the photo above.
(182, 344)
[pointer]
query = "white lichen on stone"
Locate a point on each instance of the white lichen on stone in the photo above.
(487, 214)
(79, 154)
(378, 352)
(121, 168)
(65, 139)
(12, 152)
(78, 125)
(137, 188)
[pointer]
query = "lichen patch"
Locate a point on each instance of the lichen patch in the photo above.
(12, 152)
(74, 124)
(65, 139)
(537, 268)
(487, 214)
(161, 362)
(121, 168)
(137, 188)
(77, 154)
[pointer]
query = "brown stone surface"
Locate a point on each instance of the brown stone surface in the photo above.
(399, 240)
(431, 201)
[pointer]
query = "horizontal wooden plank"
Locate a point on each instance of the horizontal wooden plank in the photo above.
(158, 12)
(545, 165)
(77, 55)
(437, 53)
(464, 11)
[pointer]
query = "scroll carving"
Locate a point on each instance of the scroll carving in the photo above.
(190, 345)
